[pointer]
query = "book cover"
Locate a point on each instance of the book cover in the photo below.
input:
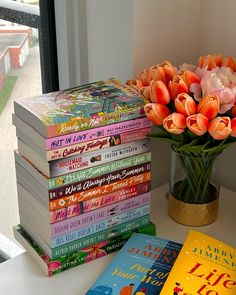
(205, 266)
(141, 267)
(55, 266)
(80, 108)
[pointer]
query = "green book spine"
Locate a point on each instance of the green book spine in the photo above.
(92, 252)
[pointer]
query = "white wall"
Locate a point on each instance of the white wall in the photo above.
(108, 38)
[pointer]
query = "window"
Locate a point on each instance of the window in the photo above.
(28, 66)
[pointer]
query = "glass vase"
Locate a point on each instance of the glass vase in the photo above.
(194, 188)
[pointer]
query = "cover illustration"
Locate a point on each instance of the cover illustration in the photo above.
(141, 267)
(84, 107)
(204, 266)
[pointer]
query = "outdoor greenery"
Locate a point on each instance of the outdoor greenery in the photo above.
(6, 92)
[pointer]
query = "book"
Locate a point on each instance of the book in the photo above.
(84, 147)
(92, 252)
(205, 266)
(34, 187)
(79, 162)
(51, 183)
(32, 137)
(80, 108)
(141, 267)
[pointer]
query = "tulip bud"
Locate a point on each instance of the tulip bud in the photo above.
(220, 128)
(190, 78)
(209, 106)
(185, 104)
(145, 91)
(156, 112)
(197, 124)
(135, 83)
(159, 92)
(177, 86)
(233, 126)
(175, 123)
(145, 77)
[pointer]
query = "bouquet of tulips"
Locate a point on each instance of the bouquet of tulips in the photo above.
(194, 108)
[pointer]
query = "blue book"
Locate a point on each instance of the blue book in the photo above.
(141, 267)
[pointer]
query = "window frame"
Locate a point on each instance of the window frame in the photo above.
(41, 17)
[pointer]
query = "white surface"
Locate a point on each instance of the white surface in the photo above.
(22, 276)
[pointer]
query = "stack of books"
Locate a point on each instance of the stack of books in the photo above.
(83, 173)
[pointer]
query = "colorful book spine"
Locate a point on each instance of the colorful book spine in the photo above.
(77, 162)
(51, 183)
(102, 180)
(97, 192)
(99, 202)
(97, 144)
(98, 170)
(97, 133)
(95, 232)
(52, 266)
(138, 206)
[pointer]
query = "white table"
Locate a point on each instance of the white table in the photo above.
(22, 276)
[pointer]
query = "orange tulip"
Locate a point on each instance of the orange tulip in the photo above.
(175, 123)
(198, 124)
(190, 78)
(145, 77)
(159, 92)
(156, 112)
(177, 86)
(185, 104)
(229, 62)
(233, 126)
(209, 106)
(145, 91)
(164, 71)
(207, 61)
(220, 128)
(136, 83)
(234, 111)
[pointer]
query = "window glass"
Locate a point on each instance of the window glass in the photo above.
(20, 76)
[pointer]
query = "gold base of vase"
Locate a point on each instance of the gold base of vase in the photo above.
(192, 214)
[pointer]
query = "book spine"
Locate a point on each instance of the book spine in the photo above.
(99, 231)
(124, 114)
(98, 170)
(99, 202)
(91, 183)
(97, 192)
(90, 240)
(96, 144)
(93, 134)
(113, 213)
(79, 162)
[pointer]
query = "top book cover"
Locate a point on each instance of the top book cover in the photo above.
(80, 108)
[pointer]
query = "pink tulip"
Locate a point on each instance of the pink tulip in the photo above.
(220, 128)
(233, 126)
(185, 104)
(156, 112)
(198, 124)
(177, 86)
(209, 106)
(175, 123)
(159, 92)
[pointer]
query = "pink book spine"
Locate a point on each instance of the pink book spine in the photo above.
(99, 202)
(93, 134)
(68, 225)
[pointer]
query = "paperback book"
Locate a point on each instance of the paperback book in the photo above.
(141, 267)
(205, 266)
(80, 108)
(92, 252)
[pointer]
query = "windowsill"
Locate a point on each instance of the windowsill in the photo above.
(22, 274)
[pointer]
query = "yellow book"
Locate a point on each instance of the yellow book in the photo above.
(205, 266)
